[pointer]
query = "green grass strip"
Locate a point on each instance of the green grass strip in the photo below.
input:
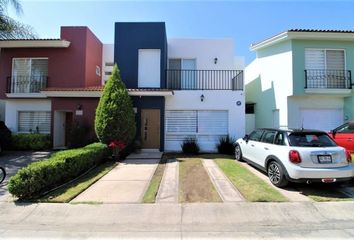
(151, 192)
(68, 192)
(250, 186)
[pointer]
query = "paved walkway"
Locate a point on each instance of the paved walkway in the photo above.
(126, 183)
(289, 192)
(225, 188)
(168, 191)
(179, 221)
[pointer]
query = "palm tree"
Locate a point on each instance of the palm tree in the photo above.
(10, 28)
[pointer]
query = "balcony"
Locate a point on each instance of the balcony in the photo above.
(26, 84)
(204, 79)
(328, 81)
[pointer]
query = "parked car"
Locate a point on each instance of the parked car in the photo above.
(344, 136)
(296, 155)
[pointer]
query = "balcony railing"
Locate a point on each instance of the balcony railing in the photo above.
(205, 79)
(330, 79)
(26, 84)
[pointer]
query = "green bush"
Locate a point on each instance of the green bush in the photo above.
(31, 141)
(61, 167)
(226, 145)
(115, 118)
(190, 146)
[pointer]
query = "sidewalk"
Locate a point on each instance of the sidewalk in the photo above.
(179, 221)
(126, 183)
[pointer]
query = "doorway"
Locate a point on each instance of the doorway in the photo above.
(150, 128)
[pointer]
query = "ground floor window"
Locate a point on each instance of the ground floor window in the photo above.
(34, 121)
(207, 126)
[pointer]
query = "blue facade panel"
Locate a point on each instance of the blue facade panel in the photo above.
(129, 38)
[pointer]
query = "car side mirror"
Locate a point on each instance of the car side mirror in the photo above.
(246, 137)
(351, 126)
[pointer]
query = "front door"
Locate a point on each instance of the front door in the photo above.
(150, 128)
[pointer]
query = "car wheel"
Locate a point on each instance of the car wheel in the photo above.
(276, 174)
(238, 153)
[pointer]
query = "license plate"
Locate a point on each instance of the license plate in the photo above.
(324, 158)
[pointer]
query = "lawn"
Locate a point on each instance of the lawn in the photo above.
(194, 182)
(250, 186)
(151, 192)
(68, 192)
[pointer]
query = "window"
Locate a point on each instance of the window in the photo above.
(108, 73)
(29, 74)
(346, 128)
(182, 73)
(324, 59)
(268, 137)
(31, 121)
(256, 135)
(249, 108)
(109, 64)
(279, 139)
(317, 139)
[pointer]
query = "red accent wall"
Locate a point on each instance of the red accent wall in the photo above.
(72, 67)
(89, 106)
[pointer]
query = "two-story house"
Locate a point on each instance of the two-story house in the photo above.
(302, 78)
(180, 87)
(31, 67)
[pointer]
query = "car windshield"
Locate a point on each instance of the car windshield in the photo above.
(316, 139)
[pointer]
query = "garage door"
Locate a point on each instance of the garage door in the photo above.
(322, 119)
(205, 126)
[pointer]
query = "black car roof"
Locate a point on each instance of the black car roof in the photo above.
(293, 130)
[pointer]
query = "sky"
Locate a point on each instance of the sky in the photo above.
(246, 22)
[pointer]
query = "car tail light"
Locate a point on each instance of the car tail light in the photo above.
(294, 157)
(349, 157)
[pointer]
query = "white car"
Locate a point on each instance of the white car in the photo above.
(296, 155)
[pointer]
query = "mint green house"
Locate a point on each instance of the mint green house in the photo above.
(302, 78)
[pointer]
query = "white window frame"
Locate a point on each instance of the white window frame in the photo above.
(18, 121)
(30, 70)
(325, 55)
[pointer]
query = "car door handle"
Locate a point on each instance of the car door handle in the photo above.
(265, 148)
(349, 139)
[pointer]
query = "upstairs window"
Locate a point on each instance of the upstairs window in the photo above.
(324, 59)
(29, 74)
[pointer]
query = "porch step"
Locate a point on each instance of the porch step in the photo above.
(145, 155)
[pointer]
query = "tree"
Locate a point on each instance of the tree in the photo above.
(10, 28)
(115, 118)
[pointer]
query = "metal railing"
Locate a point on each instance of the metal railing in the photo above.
(204, 79)
(331, 79)
(26, 84)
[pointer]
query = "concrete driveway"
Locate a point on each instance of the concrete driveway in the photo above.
(13, 161)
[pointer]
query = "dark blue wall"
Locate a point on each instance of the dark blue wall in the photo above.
(150, 103)
(129, 38)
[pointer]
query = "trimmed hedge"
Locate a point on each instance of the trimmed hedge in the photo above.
(61, 167)
(31, 141)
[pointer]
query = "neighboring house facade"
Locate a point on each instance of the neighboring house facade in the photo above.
(30, 68)
(182, 87)
(302, 78)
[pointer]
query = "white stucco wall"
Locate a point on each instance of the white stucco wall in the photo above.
(204, 51)
(295, 104)
(269, 81)
(213, 100)
(107, 57)
(2, 110)
(13, 106)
